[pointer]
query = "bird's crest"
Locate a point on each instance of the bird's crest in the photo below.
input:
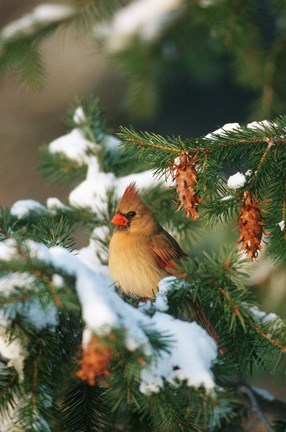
(130, 198)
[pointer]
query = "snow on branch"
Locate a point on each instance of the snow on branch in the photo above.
(236, 181)
(142, 18)
(41, 15)
(228, 127)
(190, 359)
(192, 351)
(23, 208)
(12, 350)
(74, 146)
(93, 191)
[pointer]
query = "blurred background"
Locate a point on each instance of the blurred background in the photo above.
(186, 79)
(168, 66)
(31, 117)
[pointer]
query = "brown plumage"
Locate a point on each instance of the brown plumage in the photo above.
(141, 252)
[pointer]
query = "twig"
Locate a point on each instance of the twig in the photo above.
(21, 252)
(35, 381)
(46, 279)
(284, 213)
(57, 299)
(253, 326)
(229, 299)
(269, 141)
(266, 140)
(255, 406)
(149, 144)
(268, 338)
(20, 298)
(270, 144)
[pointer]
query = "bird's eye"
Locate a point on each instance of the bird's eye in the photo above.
(131, 214)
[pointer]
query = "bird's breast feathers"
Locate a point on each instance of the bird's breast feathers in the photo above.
(133, 265)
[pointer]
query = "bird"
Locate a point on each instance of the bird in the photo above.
(141, 251)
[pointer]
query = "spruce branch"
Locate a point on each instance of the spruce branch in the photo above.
(215, 283)
(140, 143)
(269, 145)
(35, 380)
(16, 299)
(56, 168)
(246, 322)
(213, 153)
(264, 408)
(267, 135)
(57, 300)
(268, 338)
(85, 408)
(20, 44)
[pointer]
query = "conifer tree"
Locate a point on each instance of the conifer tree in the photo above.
(198, 42)
(78, 355)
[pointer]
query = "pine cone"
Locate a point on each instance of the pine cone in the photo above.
(95, 360)
(250, 226)
(185, 175)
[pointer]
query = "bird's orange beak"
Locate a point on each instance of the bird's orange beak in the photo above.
(119, 219)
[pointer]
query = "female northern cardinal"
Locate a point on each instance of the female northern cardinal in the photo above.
(141, 252)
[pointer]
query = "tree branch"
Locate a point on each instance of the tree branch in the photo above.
(263, 408)
(149, 144)
(35, 381)
(253, 326)
(255, 406)
(19, 298)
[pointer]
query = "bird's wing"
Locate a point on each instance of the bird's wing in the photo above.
(167, 251)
